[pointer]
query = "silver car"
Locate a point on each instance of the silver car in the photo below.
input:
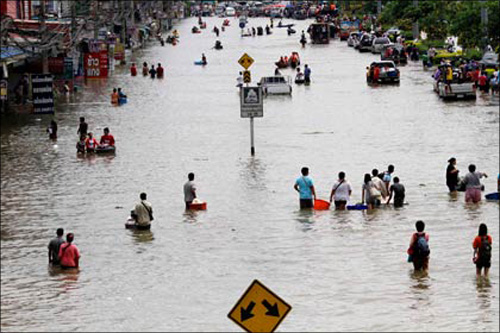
(378, 43)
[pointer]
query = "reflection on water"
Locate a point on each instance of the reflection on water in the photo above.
(142, 236)
(190, 216)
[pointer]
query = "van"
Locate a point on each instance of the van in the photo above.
(230, 11)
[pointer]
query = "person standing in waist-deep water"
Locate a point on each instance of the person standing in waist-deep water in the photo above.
(52, 130)
(305, 186)
(341, 191)
(452, 175)
(398, 191)
(152, 72)
(159, 71)
(189, 190)
(482, 250)
(83, 128)
(133, 69)
(369, 192)
(307, 74)
(54, 247)
(143, 212)
(69, 255)
(387, 176)
(145, 69)
(380, 186)
(419, 248)
(473, 184)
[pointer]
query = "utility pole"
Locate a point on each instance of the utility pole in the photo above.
(379, 7)
(123, 37)
(96, 26)
(43, 30)
(415, 29)
(484, 24)
(73, 22)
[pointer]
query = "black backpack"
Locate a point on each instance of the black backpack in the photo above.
(485, 248)
(421, 247)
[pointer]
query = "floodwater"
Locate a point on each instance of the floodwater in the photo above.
(340, 271)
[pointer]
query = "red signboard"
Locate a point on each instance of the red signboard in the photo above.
(96, 64)
(56, 65)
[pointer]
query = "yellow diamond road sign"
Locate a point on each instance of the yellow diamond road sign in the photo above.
(246, 61)
(259, 309)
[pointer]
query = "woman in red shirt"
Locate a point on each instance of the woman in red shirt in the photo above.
(133, 69)
(69, 256)
(91, 143)
(482, 250)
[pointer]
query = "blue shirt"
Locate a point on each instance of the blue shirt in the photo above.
(307, 71)
(304, 184)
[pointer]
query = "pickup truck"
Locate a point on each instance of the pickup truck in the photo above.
(458, 90)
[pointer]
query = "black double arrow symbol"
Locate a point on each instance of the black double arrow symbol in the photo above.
(272, 310)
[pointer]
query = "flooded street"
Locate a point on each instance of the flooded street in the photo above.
(340, 271)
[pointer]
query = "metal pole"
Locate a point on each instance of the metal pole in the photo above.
(379, 7)
(96, 25)
(43, 30)
(252, 145)
(484, 24)
(416, 32)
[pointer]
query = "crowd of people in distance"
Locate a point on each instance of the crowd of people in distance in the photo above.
(152, 72)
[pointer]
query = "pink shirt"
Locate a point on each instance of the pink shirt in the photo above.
(68, 255)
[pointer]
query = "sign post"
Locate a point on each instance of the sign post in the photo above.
(42, 93)
(251, 103)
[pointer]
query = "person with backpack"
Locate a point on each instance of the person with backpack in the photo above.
(482, 250)
(418, 251)
(143, 213)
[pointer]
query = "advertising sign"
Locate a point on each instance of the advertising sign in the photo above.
(43, 93)
(96, 64)
(3, 90)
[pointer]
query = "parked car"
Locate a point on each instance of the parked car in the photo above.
(388, 72)
(353, 36)
(276, 85)
(230, 11)
(378, 43)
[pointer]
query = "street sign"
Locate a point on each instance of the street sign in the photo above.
(246, 61)
(42, 93)
(247, 77)
(259, 309)
(251, 102)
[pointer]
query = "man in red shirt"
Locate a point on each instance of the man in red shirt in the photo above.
(107, 139)
(159, 71)
(69, 256)
(483, 82)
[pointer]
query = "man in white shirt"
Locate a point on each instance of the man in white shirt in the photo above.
(189, 190)
(380, 186)
(341, 191)
(143, 213)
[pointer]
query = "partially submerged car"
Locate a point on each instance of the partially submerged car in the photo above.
(276, 85)
(382, 72)
(378, 43)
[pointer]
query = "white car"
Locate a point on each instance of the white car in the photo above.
(353, 37)
(230, 11)
(276, 85)
(379, 43)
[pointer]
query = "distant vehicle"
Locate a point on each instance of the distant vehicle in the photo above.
(394, 52)
(230, 11)
(365, 43)
(220, 9)
(276, 85)
(489, 60)
(393, 31)
(320, 33)
(459, 90)
(276, 12)
(352, 37)
(388, 72)
(378, 43)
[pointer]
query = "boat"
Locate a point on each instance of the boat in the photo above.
(495, 196)
(294, 60)
(105, 149)
(300, 79)
(199, 63)
(357, 206)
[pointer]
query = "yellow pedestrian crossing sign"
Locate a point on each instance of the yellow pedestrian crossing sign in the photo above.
(259, 309)
(246, 61)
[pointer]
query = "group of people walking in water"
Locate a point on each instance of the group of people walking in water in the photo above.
(377, 189)
(152, 72)
(87, 142)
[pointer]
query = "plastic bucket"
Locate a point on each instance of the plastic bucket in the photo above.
(198, 206)
(321, 204)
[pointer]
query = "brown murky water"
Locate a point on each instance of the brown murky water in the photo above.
(341, 271)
